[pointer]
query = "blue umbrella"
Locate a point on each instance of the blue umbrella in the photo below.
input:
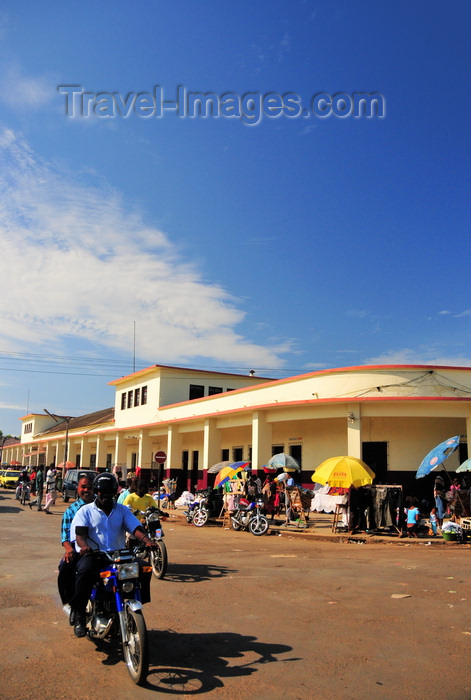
(436, 456)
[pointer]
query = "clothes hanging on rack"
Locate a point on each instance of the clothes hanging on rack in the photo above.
(377, 506)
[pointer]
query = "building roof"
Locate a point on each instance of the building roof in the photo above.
(186, 370)
(106, 415)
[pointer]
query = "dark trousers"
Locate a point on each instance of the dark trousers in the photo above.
(66, 579)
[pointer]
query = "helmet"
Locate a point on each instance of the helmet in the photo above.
(105, 482)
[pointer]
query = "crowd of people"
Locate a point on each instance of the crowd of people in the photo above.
(39, 485)
(433, 517)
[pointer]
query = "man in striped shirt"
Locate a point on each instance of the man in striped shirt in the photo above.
(67, 566)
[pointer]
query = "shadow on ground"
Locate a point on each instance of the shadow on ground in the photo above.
(189, 573)
(192, 664)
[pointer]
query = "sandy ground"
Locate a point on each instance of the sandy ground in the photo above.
(240, 616)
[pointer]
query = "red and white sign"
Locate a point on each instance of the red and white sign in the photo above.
(160, 457)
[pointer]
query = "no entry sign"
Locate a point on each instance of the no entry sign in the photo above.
(160, 457)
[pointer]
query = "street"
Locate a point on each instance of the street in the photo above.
(242, 616)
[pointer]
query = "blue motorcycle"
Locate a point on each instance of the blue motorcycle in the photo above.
(115, 610)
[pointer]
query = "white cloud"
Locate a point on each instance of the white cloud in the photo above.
(81, 264)
(407, 356)
(22, 91)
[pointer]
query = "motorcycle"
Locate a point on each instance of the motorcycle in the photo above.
(115, 609)
(195, 506)
(23, 493)
(209, 506)
(150, 519)
(158, 556)
(248, 516)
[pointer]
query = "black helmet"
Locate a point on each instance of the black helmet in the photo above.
(106, 483)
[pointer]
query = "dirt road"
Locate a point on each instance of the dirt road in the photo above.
(239, 616)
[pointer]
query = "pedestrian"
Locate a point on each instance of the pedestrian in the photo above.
(51, 493)
(440, 502)
(32, 480)
(39, 489)
(433, 522)
(269, 493)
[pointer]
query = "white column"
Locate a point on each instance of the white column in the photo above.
(211, 444)
(120, 454)
(354, 431)
(174, 447)
(468, 434)
(261, 439)
(100, 458)
(144, 458)
(85, 454)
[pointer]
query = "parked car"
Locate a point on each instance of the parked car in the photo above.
(69, 484)
(9, 478)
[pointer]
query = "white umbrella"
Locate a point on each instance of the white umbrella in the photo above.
(281, 460)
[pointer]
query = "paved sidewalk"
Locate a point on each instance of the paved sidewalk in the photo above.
(319, 528)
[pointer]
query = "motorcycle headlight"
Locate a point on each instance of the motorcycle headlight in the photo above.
(128, 571)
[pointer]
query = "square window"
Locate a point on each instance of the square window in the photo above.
(196, 391)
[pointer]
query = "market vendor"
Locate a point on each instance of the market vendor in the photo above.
(439, 495)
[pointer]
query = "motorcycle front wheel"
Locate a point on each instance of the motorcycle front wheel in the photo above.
(136, 650)
(258, 526)
(200, 518)
(158, 559)
(23, 498)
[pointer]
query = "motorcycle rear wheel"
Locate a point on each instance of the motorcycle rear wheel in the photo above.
(200, 518)
(159, 559)
(258, 526)
(236, 525)
(136, 651)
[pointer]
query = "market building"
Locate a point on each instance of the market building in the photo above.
(390, 416)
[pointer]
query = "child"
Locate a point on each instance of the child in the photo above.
(433, 521)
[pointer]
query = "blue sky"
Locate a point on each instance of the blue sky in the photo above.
(294, 244)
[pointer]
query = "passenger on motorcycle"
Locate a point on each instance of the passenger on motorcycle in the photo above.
(101, 526)
(68, 563)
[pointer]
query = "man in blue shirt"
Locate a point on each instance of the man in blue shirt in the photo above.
(101, 526)
(67, 566)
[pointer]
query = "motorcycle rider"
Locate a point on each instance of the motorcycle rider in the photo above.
(140, 500)
(23, 478)
(68, 563)
(102, 526)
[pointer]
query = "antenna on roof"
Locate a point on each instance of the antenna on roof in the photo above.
(252, 372)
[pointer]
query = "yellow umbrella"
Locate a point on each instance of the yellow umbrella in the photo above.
(343, 472)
